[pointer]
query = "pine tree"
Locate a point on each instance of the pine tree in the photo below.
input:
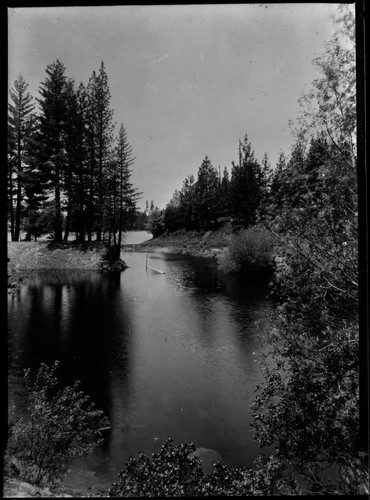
(74, 132)
(188, 202)
(38, 212)
(207, 193)
(21, 122)
(127, 194)
(266, 176)
(53, 103)
(81, 166)
(266, 182)
(225, 193)
(173, 219)
(91, 156)
(245, 186)
(101, 138)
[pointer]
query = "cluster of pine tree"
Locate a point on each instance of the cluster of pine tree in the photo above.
(212, 198)
(66, 171)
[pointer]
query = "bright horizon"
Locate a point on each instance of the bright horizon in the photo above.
(186, 81)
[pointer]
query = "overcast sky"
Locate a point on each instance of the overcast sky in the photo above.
(185, 80)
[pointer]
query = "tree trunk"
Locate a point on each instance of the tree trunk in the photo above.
(120, 223)
(17, 227)
(100, 190)
(11, 205)
(90, 214)
(68, 222)
(58, 236)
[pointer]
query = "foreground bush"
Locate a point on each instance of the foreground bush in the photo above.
(249, 250)
(171, 472)
(59, 425)
(174, 472)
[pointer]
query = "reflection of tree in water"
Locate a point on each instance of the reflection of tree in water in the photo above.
(34, 326)
(197, 274)
(91, 323)
(98, 343)
(79, 319)
(252, 310)
(248, 287)
(206, 277)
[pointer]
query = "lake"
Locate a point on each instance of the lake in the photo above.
(164, 355)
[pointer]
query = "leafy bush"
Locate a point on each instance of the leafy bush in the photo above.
(155, 222)
(171, 472)
(60, 424)
(249, 250)
(174, 471)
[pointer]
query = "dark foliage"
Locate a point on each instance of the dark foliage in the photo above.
(59, 425)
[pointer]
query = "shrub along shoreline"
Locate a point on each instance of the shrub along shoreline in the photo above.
(237, 251)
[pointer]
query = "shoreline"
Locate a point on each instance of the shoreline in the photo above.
(175, 250)
(35, 255)
(38, 255)
(211, 243)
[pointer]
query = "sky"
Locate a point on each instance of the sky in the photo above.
(186, 81)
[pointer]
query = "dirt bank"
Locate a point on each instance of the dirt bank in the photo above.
(38, 255)
(198, 243)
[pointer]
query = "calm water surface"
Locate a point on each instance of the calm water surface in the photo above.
(164, 355)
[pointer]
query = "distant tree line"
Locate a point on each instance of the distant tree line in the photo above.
(67, 173)
(210, 199)
(254, 193)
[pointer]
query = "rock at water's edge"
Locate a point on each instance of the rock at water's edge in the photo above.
(208, 458)
(115, 266)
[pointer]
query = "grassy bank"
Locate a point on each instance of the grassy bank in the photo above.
(26, 255)
(38, 255)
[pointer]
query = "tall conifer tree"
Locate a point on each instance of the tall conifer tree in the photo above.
(127, 194)
(55, 92)
(20, 129)
(207, 193)
(101, 138)
(245, 186)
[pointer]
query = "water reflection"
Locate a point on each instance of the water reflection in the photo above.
(164, 355)
(72, 317)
